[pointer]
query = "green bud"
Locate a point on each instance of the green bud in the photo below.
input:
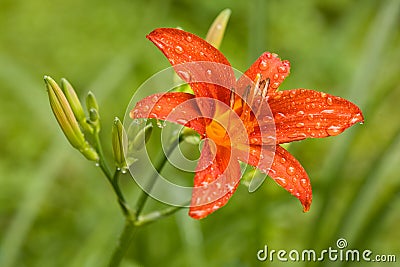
(91, 102)
(217, 29)
(64, 114)
(66, 119)
(94, 119)
(141, 138)
(119, 141)
(75, 104)
(73, 100)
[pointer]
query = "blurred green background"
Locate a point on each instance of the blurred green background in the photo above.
(56, 208)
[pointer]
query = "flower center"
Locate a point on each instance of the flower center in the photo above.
(218, 134)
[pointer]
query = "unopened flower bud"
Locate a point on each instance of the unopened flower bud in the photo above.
(141, 138)
(217, 29)
(64, 114)
(75, 104)
(67, 120)
(119, 141)
(91, 102)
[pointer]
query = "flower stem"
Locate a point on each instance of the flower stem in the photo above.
(113, 179)
(123, 243)
(146, 191)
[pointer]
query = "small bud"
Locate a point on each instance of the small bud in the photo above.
(119, 141)
(94, 119)
(73, 99)
(67, 121)
(75, 104)
(91, 102)
(141, 138)
(217, 29)
(64, 114)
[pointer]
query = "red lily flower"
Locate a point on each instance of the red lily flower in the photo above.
(242, 120)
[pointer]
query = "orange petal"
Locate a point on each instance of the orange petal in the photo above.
(304, 113)
(272, 70)
(217, 177)
(197, 62)
(289, 174)
(175, 107)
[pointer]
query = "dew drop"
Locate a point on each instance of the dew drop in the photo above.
(308, 100)
(329, 101)
(281, 181)
(318, 125)
(268, 55)
(209, 72)
(189, 38)
(281, 115)
(292, 94)
(300, 113)
(275, 85)
(263, 65)
(158, 108)
(300, 124)
(276, 76)
(310, 117)
(282, 69)
(328, 111)
(178, 49)
(185, 75)
(334, 130)
(181, 121)
(283, 160)
(303, 183)
(323, 94)
(145, 108)
(155, 98)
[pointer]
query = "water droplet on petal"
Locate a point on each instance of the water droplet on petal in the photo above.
(323, 94)
(189, 38)
(310, 117)
(300, 113)
(318, 125)
(282, 69)
(329, 101)
(283, 160)
(300, 124)
(275, 85)
(181, 121)
(334, 130)
(146, 108)
(179, 49)
(276, 76)
(268, 55)
(304, 183)
(263, 65)
(155, 98)
(282, 182)
(209, 72)
(185, 75)
(157, 107)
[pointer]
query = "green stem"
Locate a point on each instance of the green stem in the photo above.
(123, 244)
(156, 215)
(145, 192)
(112, 179)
